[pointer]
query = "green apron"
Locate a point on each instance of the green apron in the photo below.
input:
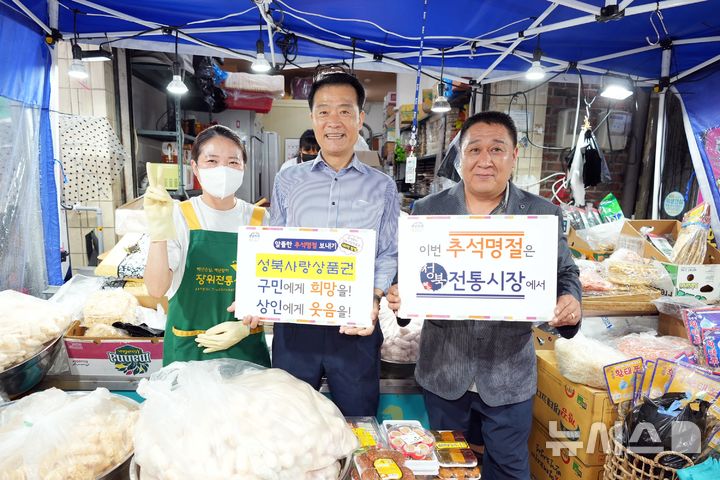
(206, 290)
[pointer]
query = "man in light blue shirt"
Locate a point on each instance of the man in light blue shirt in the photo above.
(336, 190)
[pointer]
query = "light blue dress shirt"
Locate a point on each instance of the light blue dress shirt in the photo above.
(312, 194)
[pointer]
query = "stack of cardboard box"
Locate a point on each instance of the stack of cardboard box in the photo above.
(571, 423)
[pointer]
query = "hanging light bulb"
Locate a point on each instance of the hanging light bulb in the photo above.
(78, 70)
(260, 65)
(616, 88)
(441, 104)
(536, 70)
(176, 85)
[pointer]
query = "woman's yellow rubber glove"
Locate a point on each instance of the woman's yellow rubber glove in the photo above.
(158, 206)
(222, 336)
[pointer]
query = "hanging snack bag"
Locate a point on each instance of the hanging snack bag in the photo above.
(609, 208)
(691, 244)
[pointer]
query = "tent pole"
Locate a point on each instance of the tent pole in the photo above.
(35, 19)
(694, 69)
(511, 47)
(660, 138)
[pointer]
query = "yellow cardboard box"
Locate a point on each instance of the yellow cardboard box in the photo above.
(549, 460)
(580, 413)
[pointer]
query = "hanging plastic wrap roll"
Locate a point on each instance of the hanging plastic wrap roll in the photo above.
(227, 419)
(53, 435)
(22, 242)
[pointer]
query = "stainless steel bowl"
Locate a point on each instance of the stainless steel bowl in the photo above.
(396, 370)
(20, 378)
(345, 465)
(121, 471)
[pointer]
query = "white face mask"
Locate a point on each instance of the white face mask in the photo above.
(220, 182)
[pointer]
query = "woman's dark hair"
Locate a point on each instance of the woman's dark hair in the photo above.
(308, 141)
(217, 131)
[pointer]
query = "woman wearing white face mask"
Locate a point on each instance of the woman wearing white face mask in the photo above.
(192, 255)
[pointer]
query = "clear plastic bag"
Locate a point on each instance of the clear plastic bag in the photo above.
(691, 244)
(401, 344)
(650, 347)
(674, 306)
(228, 419)
(53, 435)
(26, 325)
(581, 359)
(602, 237)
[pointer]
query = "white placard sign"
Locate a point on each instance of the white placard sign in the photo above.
(321, 276)
(499, 267)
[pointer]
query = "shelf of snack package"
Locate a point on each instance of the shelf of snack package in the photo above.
(635, 269)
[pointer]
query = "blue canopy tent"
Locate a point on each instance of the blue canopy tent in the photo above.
(651, 42)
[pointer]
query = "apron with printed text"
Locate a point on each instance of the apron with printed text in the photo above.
(206, 290)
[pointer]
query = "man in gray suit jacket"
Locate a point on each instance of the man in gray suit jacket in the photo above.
(483, 374)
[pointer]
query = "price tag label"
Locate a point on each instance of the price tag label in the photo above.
(450, 445)
(365, 438)
(411, 438)
(410, 168)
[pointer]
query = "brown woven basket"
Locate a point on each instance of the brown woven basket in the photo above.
(623, 464)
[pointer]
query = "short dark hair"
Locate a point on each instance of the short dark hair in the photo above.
(491, 118)
(216, 131)
(308, 141)
(339, 78)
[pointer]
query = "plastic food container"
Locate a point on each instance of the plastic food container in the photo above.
(415, 443)
(367, 431)
(382, 464)
(452, 449)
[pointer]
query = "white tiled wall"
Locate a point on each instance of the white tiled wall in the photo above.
(94, 96)
(529, 163)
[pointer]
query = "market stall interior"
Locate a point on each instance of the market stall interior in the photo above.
(615, 103)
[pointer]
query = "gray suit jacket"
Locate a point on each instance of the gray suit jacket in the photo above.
(498, 357)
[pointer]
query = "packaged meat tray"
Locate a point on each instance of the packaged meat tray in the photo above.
(415, 443)
(381, 464)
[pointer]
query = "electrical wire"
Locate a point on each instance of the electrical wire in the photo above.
(395, 34)
(230, 15)
(542, 180)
